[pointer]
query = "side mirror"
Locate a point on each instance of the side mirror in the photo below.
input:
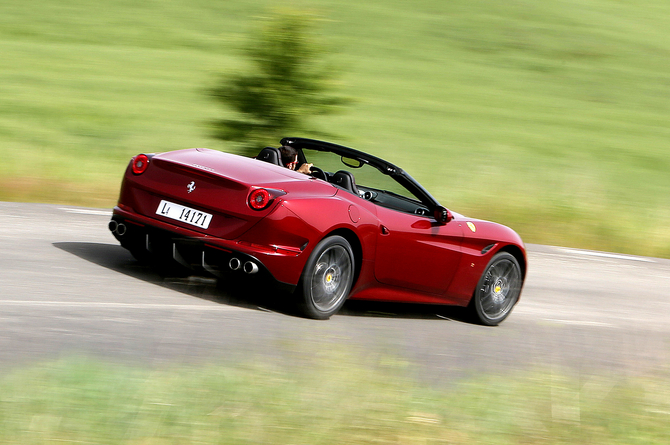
(442, 215)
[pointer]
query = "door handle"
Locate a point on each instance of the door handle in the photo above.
(384, 230)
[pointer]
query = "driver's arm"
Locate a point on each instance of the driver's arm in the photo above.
(305, 168)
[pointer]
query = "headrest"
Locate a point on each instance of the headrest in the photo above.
(271, 155)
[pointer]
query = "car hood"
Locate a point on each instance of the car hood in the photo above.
(486, 232)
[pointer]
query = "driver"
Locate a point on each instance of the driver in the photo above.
(289, 158)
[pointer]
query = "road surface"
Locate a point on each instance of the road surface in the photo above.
(68, 289)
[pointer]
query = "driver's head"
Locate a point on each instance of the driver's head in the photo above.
(289, 157)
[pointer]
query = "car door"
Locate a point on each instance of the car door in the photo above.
(416, 252)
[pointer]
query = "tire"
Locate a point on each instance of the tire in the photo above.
(326, 279)
(497, 290)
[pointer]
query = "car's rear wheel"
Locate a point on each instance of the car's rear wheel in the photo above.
(326, 279)
(498, 289)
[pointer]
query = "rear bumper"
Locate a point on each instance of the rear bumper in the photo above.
(145, 236)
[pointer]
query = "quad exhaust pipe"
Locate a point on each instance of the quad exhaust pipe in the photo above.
(249, 267)
(234, 264)
(118, 228)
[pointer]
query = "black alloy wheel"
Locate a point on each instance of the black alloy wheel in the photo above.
(498, 289)
(327, 278)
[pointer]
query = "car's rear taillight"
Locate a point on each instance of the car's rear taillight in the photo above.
(140, 164)
(260, 199)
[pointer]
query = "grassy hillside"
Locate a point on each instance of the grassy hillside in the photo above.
(551, 117)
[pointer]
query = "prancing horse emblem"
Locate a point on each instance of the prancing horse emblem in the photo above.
(191, 186)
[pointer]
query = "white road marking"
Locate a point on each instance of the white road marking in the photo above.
(579, 322)
(90, 304)
(540, 313)
(87, 211)
(606, 255)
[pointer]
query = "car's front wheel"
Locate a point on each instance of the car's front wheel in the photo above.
(498, 289)
(326, 279)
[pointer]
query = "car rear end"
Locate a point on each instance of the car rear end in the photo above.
(194, 207)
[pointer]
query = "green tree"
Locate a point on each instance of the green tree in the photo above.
(288, 80)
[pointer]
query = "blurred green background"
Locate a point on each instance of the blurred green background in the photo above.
(335, 397)
(551, 117)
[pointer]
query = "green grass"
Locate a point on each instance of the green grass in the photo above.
(320, 401)
(551, 117)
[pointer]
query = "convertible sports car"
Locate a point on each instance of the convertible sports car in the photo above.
(323, 237)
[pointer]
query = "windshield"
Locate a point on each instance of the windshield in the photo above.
(383, 189)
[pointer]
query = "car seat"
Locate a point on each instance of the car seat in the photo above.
(345, 180)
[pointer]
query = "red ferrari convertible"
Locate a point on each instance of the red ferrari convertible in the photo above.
(356, 227)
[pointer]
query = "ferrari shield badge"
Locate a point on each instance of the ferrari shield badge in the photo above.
(472, 227)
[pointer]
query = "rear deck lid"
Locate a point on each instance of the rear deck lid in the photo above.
(212, 189)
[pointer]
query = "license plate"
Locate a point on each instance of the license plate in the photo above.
(184, 214)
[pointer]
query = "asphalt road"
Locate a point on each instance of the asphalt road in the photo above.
(68, 289)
